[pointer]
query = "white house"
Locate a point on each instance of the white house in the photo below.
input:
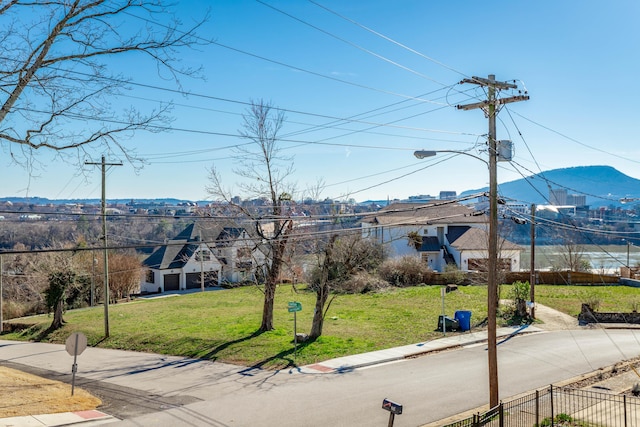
(439, 232)
(208, 253)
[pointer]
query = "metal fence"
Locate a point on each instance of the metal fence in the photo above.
(557, 406)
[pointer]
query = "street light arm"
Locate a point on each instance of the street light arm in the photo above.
(422, 154)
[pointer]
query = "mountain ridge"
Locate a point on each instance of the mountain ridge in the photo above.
(602, 185)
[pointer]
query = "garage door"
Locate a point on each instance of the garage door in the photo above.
(210, 279)
(171, 282)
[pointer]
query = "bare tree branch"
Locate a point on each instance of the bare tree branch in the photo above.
(56, 78)
(266, 171)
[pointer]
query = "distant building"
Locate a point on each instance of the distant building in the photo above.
(578, 200)
(448, 195)
(558, 196)
(422, 198)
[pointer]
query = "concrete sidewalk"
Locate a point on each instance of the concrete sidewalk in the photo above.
(87, 418)
(166, 381)
(450, 341)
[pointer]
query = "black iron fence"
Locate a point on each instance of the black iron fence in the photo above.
(557, 406)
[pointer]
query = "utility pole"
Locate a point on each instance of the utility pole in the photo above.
(491, 107)
(201, 251)
(532, 270)
(1, 301)
(103, 211)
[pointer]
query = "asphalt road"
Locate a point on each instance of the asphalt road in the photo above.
(157, 390)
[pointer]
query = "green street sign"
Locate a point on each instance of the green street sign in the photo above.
(294, 306)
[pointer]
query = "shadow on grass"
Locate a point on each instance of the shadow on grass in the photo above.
(44, 333)
(213, 354)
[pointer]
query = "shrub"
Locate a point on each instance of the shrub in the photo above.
(519, 295)
(452, 274)
(593, 302)
(363, 282)
(405, 271)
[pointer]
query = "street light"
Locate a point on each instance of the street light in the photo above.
(492, 280)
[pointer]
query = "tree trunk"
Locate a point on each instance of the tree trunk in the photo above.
(318, 315)
(267, 309)
(270, 290)
(272, 278)
(57, 316)
(322, 293)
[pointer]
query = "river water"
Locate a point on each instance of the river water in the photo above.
(606, 259)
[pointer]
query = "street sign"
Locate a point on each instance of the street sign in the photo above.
(294, 306)
(76, 343)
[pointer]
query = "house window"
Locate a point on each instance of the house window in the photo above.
(151, 276)
(244, 253)
(203, 255)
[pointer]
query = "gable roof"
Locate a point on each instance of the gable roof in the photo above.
(229, 235)
(432, 212)
(177, 252)
(455, 231)
(477, 239)
(170, 256)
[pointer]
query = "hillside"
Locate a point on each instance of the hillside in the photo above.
(603, 185)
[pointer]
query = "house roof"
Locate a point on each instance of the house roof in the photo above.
(432, 212)
(477, 239)
(429, 244)
(177, 252)
(229, 235)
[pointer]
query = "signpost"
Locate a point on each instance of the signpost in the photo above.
(75, 345)
(443, 292)
(294, 307)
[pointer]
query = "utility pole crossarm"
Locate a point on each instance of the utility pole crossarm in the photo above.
(488, 82)
(482, 104)
(513, 99)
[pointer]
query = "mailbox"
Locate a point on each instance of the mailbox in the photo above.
(393, 407)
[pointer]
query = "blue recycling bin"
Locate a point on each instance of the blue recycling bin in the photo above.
(464, 319)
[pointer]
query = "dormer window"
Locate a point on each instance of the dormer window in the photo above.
(203, 255)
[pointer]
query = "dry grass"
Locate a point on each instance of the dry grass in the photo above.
(25, 394)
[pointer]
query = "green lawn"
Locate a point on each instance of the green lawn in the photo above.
(222, 325)
(569, 299)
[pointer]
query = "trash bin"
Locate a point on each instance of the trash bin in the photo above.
(464, 319)
(449, 323)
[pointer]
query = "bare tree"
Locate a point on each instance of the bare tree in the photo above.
(266, 170)
(322, 289)
(56, 81)
(125, 271)
(341, 262)
(572, 255)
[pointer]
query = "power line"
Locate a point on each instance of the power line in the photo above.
(389, 39)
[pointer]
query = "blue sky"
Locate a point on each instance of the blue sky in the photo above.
(332, 60)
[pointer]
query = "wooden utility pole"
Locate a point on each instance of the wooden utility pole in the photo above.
(1, 301)
(491, 107)
(201, 251)
(532, 270)
(103, 211)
